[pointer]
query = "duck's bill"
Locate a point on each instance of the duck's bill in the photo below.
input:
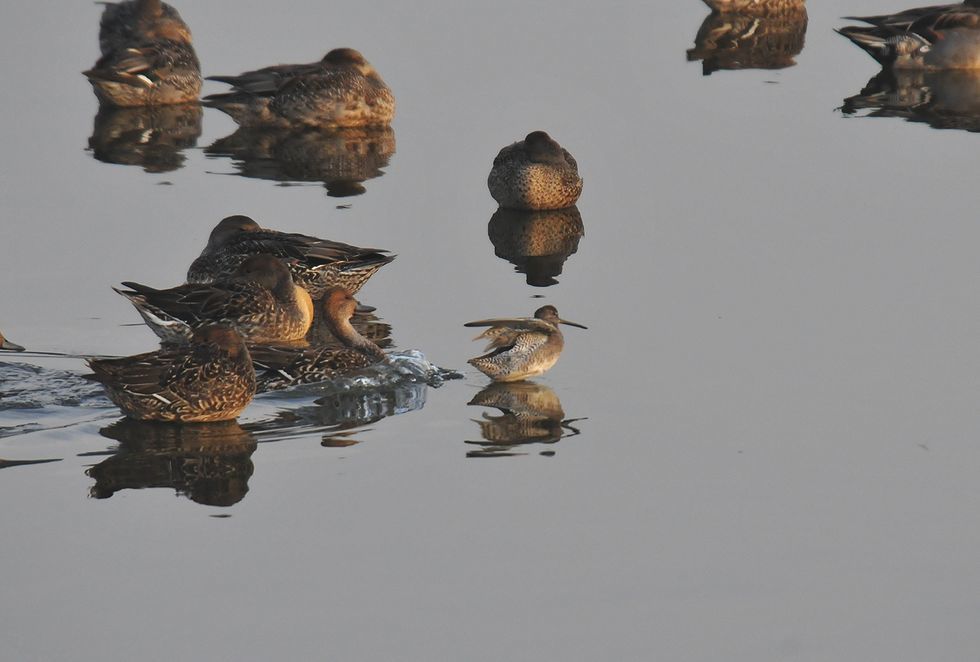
(10, 346)
(364, 308)
(581, 326)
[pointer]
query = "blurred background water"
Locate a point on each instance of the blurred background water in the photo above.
(763, 448)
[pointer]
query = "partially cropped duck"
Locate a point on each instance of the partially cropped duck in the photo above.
(125, 23)
(211, 379)
(925, 38)
(280, 367)
(535, 173)
(260, 301)
(316, 264)
(9, 346)
(520, 347)
(341, 90)
(147, 57)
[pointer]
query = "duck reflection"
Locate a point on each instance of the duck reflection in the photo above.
(343, 159)
(153, 137)
(537, 243)
(209, 463)
(530, 414)
(942, 99)
(748, 34)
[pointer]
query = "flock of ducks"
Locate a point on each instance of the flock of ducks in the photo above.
(238, 323)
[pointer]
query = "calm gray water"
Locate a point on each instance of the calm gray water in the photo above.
(775, 447)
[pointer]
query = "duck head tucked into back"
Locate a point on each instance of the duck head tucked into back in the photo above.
(229, 228)
(349, 57)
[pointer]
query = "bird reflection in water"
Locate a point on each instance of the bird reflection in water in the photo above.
(343, 159)
(209, 463)
(530, 414)
(748, 34)
(942, 99)
(152, 137)
(537, 243)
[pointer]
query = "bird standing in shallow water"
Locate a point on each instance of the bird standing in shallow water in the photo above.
(925, 38)
(316, 264)
(535, 173)
(521, 347)
(260, 302)
(211, 379)
(279, 367)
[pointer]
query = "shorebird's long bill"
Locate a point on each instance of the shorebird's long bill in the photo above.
(581, 326)
(10, 346)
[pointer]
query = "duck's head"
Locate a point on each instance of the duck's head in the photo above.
(224, 338)
(158, 24)
(550, 314)
(269, 272)
(339, 305)
(229, 227)
(9, 346)
(348, 57)
(542, 148)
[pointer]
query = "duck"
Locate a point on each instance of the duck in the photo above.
(147, 57)
(260, 301)
(341, 90)
(8, 345)
(931, 38)
(520, 347)
(316, 264)
(210, 379)
(279, 367)
(148, 74)
(124, 23)
(535, 173)
(753, 7)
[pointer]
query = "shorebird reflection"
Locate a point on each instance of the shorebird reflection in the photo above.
(530, 414)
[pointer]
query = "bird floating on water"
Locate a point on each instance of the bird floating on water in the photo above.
(341, 90)
(211, 379)
(260, 301)
(8, 345)
(147, 56)
(279, 367)
(521, 347)
(535, 173)
(316, 264)
(926, 38)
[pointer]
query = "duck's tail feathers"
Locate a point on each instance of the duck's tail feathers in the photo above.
(870, 41)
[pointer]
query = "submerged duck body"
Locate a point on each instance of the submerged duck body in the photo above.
(521, 347)
(211, 379)
(260, 301)
(315, 264)
(281, 367)
(535, 173)
(926, 38)
(147, 57)
(341, 90)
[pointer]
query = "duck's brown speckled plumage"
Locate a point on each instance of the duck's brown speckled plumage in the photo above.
(211, 379)
(260, 301)
(535, 173)
(147, 57)
(520, 347)
(280, 367)
(342, 90)
(928, 38)
(316, 264)
(755, 7)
